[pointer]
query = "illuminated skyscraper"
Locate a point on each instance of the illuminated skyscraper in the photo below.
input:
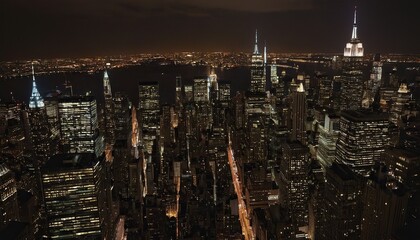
(343, 206)
(73, 190)
(354, 48)
(201, 90)
(258, 80)
(149, 111)
(39, 126)
(36, 100)
(363, 137)
(8, 197)
(376, 74)
(352, 83)
(189, 93)
(400, 107)
(109, 118)
(325, 90)
(122, 117)
(257, 139)
(79, 125)
(239, 110)
(224, 92)
(404, 166)
(294, 169)
(178, 90)
(385, 205)
(351, 87)
(328, 135)
(298, 115)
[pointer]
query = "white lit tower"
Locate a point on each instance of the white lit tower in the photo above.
(257, 69)
(352, 85)
(354, 48)
(35, 101)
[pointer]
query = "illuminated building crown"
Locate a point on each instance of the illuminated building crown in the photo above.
(35, 101)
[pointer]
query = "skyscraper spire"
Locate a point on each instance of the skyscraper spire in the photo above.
(354, 32)
(35, 101)
(354, 48)
(256, 42)
(265, 53)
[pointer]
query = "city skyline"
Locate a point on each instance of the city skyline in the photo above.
(75, 29)
(248, 145)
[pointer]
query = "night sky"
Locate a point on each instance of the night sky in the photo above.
(77, 28)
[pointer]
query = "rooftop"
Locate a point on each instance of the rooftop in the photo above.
(342, 171)
(80, 98)
(70, 161)
(362, 116)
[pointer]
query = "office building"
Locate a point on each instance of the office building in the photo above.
(122, 111)
(298, 115)
(224, 93)
(325, 91)
(363, 137)
(8, 197)
(149, 113)
(79, 125)
(294, 168)
(376, 74)
(342, 204)
(328, 136)
(351, 94)
(203, 108)
(400, 108)
(179, 95)
(385, 205)
(201, 89)
(74, 196)
(404, 166)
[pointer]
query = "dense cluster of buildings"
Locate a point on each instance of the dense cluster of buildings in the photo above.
(326, 154)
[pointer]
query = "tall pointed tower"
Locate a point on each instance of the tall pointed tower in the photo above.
(257, 69)
(256, 43)
(41, 143)
(354, 48)
(354, 94)
(35, 101)
(109, 110)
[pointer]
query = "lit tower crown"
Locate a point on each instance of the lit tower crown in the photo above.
(354, 32)
(300, 88)
(35, 101)
(256, 42)
(354, 48)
